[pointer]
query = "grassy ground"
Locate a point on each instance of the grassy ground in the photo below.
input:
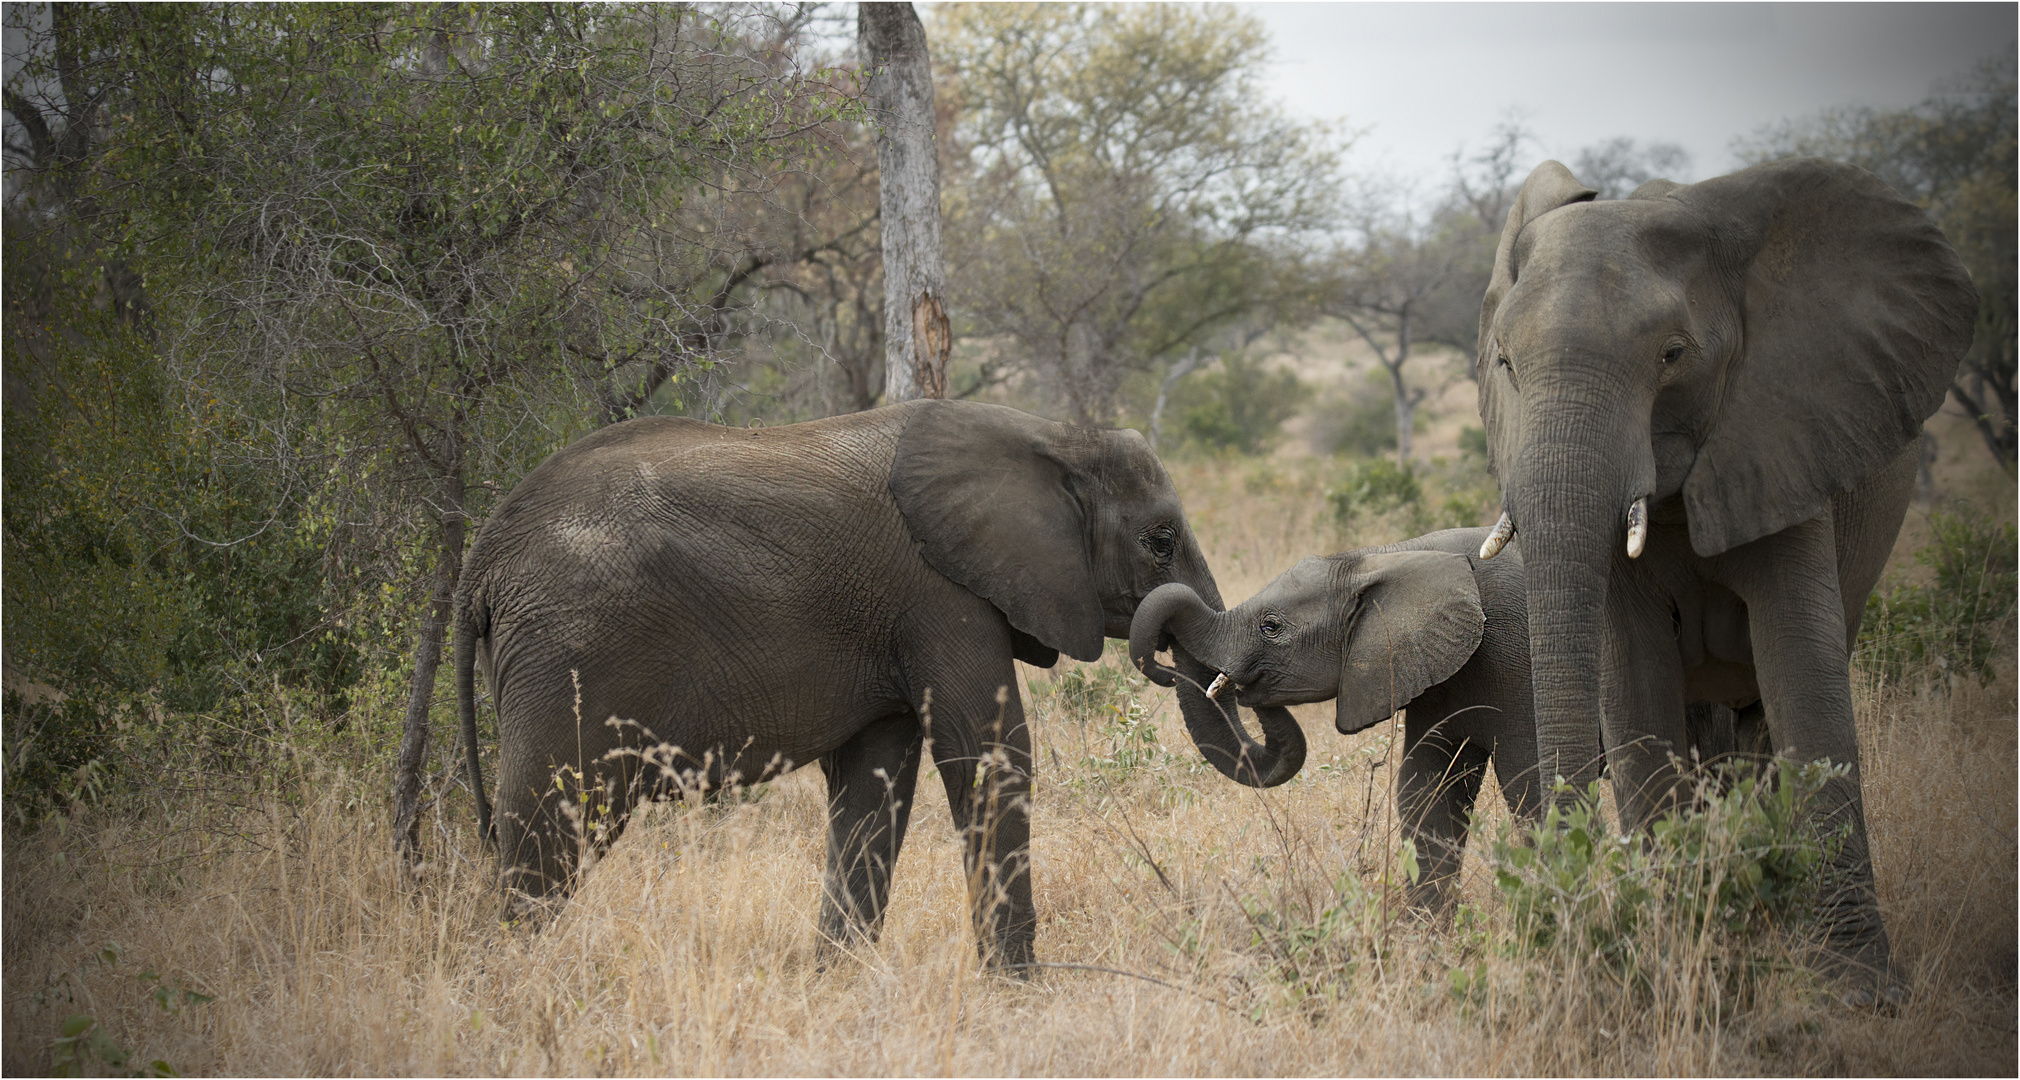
(221, 926)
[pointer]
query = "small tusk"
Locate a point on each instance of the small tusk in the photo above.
(1637, 527)
(1213, 688)
(1504, 531)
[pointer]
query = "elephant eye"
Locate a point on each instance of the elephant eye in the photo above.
(1271, 626)
(1672, 354)
(1161, 542)
(1501, 361)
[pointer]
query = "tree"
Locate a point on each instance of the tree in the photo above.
(1955, 155)
(1124, 187)
(399, 250)
(1616, 166)
(1464, 228)
(1398, 268)
(917, 335)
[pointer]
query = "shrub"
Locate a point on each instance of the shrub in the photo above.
(1746, 858)
(1363, 426)
(1375, 486)
(1241, 407)
(1953, 625)
(1473, 442)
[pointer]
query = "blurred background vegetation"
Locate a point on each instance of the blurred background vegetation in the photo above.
(293, 294)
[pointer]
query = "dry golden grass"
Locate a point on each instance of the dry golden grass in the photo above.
(689, 948)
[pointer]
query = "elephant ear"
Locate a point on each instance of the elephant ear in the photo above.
(1415, 621)
(1550, 186)
(1855, 313)
(990, 499)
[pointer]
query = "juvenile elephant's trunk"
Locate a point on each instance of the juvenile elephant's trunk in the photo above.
(1215, 726)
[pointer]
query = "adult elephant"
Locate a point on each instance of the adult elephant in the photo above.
(1697, 401)
(669, 605)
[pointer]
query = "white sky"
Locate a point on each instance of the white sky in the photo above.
(1428, 78)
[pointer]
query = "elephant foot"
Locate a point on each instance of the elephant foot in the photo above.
(1863, 979)
(1014, 957)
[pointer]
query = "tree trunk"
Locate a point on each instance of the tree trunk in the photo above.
(1178, 371)
(917, 336)
(1406, 402)
(427, 658)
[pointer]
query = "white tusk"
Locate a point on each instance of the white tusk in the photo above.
(1637, 527)
(1213, 688)
(1504, 531)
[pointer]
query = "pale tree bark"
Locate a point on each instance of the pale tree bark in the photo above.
(917, 336)
(1178, 371)
(1407, 397)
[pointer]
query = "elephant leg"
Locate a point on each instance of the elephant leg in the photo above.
(870, 782)
(1795, 614)
(1750, 732)
(544, 825)
(1641, 702)
(1435, 792)
(983, 751)
(1711, 728)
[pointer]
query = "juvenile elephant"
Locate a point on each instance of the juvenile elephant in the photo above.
(1697, 402)
(1425, 626)
(669, 604)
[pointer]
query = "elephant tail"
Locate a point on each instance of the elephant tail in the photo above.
(469, 624)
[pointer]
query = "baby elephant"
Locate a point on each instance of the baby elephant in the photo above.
(1424, 626)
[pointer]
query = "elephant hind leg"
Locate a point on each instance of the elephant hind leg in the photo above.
(870, 783)
(544, 833)
(1435, 792)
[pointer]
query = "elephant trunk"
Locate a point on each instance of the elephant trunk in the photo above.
(1175, 611)
(1168, 610)
(1572, 500)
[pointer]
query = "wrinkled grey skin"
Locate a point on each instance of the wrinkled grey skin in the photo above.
(744, 602)
(1423, 626)
(1752, 354)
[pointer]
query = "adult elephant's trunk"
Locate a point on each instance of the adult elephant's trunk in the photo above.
(1570, 501)
(1176, 611)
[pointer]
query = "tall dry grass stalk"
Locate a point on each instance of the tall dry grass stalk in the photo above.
(1200, 927)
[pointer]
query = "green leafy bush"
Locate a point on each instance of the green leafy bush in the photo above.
(1747, 857)
(1360, 426)
(1954, 625)
(1375, 486)
(1241, 407)
(1473, 442)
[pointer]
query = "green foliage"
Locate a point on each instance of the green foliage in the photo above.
(1473, 442)
(1375, 486)
(1362, 426)
(1119, 737)
(1122, 190)
(274, 335)
(1744, 860)
(1952, 626)
(1240, 407)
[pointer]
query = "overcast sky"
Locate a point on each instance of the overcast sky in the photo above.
(1426, 78)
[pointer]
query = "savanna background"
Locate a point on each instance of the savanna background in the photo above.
(293, 295)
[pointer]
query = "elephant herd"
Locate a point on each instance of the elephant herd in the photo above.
(1700, 404)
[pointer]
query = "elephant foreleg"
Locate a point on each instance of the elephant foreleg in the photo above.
(1795, 613)
(986, 766)
(1435, 792)
(1642, 700)
(870, 782)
